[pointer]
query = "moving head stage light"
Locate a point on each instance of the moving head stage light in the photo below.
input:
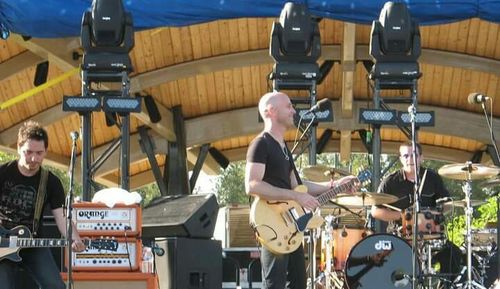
(295, 44)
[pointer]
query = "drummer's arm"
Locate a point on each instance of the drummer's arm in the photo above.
(385, 214)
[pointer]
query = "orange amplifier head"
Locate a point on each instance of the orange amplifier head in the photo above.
(96, 219)
(126, 255)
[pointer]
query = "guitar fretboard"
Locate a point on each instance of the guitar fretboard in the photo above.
(328, 195)
(29, 243)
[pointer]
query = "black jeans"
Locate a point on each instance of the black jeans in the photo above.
(39, 263)
(283, 271)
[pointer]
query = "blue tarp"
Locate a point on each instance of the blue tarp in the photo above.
(62, 18)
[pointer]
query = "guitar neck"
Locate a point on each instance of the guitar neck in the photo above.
(328, 195)
(36, 243)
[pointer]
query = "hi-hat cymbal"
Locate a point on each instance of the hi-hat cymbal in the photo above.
(448, 206)
(363, 199)
(460, 171)
(322, 173)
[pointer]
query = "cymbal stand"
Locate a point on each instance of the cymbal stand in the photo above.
(412, 110)
(467, 188)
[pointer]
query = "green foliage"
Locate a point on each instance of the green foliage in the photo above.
(482, 218)
(230, 185)
(148, 193)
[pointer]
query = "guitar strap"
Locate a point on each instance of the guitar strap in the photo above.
(40, 199)
(292, 164)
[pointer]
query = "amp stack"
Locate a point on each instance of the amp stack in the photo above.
(115, 253)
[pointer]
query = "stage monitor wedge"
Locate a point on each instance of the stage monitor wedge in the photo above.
(192, 216)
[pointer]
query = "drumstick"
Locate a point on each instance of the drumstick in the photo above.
(392, 207)
(422, 183)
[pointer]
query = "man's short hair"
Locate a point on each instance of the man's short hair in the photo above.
(409, 144)
(32, 130)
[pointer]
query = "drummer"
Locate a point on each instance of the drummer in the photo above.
(401, 185)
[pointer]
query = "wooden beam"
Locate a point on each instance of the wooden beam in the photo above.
(205, 65)
(165, 127)
(348, 68)
(58, 51)
(242, 122)
(46, 117)
(345, 145)
(18, 63)
(331, 52)
(210, 166)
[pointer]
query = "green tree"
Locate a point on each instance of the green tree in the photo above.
(230, 185)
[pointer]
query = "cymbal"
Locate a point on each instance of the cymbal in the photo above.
(491, 183)
(459, 171)
(362, 199)
(448, 206)
(320, 173)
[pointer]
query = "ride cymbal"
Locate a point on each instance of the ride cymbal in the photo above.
(363, 199)
(461, 171)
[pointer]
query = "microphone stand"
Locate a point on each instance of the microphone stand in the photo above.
(308, 127)
(416, 197)
(494, 143)
(69, 210)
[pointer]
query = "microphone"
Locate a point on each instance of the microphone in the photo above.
(74, 135)
(476, 97)
(320, 105)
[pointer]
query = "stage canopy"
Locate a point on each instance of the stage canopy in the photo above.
(62, 18)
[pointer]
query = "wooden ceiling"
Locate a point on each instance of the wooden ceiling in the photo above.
(217, 71)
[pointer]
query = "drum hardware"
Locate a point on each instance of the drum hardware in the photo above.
(468, 172)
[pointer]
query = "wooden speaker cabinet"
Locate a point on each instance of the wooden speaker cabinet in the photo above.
(113, 280)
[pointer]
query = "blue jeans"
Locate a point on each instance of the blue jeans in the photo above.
(39, 263)
(283, 271)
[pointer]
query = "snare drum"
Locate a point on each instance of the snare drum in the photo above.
(430, 224)
(380, 261)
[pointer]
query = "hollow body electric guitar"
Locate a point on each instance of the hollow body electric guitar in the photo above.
(11, 241)
(280, 225)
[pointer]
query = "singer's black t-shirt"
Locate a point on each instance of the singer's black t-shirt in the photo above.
(266, 150)
(396, 184)
(18, 195)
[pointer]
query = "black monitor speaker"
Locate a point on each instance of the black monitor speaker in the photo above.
(189, 263)
(192, 216)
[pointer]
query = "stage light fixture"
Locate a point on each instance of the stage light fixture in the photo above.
(121, 104)
(422, 118)
(377, 116)
(81, 103)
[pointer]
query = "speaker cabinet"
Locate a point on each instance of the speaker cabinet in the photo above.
(189, 263)
(191, 216)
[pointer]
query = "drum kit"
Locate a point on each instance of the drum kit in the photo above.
(354, 257)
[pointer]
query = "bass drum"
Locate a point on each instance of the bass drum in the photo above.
(380, 261)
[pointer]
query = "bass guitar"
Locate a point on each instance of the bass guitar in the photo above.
(11, 241)
(280, 225)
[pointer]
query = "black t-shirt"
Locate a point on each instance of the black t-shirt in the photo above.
(396, 184)
(18, 195)
(264, 149)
